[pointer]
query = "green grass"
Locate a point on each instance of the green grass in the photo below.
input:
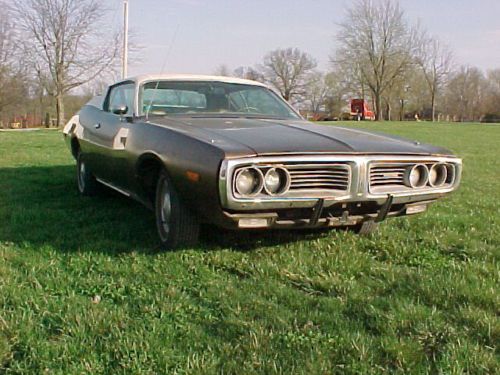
(420, 296)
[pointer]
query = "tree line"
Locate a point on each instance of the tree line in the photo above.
(49, 48)
(381, 57)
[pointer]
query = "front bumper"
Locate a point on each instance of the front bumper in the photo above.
(320, 216)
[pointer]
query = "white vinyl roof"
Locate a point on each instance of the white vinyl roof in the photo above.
(190, 77)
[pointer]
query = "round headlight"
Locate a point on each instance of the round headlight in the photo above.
(276, 181)
(417, 176)
(249, 181)
(438, 174)
(450, 173)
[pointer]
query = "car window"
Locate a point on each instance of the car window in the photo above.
(211, 98)
(172, 98)
(256, 100)
(122, 94)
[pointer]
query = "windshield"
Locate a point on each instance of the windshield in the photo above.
(195, 98)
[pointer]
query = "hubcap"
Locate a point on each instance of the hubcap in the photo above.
(165, 208)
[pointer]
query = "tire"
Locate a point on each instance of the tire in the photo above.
(86, 183)
(366, 228)
(177, 226)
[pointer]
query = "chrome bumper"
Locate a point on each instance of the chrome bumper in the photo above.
(318, 220)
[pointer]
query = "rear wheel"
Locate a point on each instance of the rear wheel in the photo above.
(177, 226)
(366, 228)
(86, 182)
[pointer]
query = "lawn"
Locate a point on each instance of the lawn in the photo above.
(419, 296)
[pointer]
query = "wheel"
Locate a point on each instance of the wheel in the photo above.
(87, 184)
(366, 228)
(177, 226)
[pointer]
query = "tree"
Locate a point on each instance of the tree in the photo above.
(337, 94)
(222, 70)
(317, 90)
(13, 87)
(492, 102)
(434, 59)
(65, 44)
(466, 93)
(377, 40)
(287, 70)
(247, 72)
(6, 37)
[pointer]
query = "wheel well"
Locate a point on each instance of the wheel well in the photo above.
(75, 147)
(148, 171)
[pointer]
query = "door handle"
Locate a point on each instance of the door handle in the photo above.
(97, 126)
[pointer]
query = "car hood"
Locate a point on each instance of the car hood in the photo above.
(272, 137)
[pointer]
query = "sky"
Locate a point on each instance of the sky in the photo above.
(196, 36)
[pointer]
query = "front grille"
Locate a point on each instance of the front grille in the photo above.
(382, 175)
(320, 176)
(389, 177)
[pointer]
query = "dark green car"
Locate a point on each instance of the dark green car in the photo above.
(233, 153)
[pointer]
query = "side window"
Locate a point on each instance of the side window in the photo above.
(122, 94)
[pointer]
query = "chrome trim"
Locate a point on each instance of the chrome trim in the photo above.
(287, 184)
(423, 180)
(336, 175)
(401, 184)
(358, 190)
(319, 191)
(260, 185)
(111, 186)
(440, 178)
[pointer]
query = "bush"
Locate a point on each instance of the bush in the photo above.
(491, 117)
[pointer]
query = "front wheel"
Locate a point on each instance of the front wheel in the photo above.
(86, 182)
(176, 224)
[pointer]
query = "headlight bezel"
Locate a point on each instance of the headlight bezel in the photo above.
(261, 189)
(441, 172)
(258, 187)
(423, 176)
(284, 185)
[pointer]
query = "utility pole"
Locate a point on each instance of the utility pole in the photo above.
(125, 39)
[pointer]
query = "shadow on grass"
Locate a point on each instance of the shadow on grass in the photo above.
(40, 206)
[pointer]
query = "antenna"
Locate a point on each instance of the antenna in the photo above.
(125, 40)
(167, 55)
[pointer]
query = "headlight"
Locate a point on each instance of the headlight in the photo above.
(417, 176)
(276, 181)
(438, 174)
(249, 181)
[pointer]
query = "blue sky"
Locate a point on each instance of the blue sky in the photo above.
(236, 33)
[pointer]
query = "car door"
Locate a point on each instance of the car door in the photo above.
(109, 133)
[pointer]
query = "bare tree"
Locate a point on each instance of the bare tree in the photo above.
(247, 72)
(222, 70)
(435, 60)
(13, 87)
(377, 39)
(287, 70)
(317, 90)
(6, 36)
(65, 43)
(492, 102)
(339, 90)
(466, 93)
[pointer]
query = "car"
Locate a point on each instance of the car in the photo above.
(233, 153)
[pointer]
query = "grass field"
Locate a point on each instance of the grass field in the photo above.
(420, 296)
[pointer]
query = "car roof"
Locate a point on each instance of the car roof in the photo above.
(190, 77)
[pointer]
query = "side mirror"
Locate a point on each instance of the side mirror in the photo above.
(119, 109)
